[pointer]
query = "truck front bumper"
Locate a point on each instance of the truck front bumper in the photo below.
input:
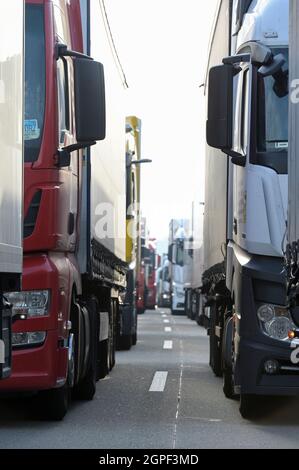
(253, 378)
(44, 366)
(36, 369)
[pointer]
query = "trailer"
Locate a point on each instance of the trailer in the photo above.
(75, 208)
(11, 167)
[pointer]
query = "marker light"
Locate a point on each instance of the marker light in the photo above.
(292, 335)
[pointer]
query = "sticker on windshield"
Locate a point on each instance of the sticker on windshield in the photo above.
(31, 129)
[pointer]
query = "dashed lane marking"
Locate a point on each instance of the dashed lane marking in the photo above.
(168, 345)
(159, 382)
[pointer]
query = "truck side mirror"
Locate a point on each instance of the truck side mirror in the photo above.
(220, 107)
(90, 103)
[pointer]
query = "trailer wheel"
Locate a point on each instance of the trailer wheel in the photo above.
(215, 346)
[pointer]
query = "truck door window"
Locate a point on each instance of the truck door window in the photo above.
(245, 111)
(63, 100)
(237, 99)
(35, 80)
(272, 129)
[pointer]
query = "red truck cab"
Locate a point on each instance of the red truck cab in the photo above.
(45, 354)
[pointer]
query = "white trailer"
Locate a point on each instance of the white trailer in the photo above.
(194, 304)
(11, 166)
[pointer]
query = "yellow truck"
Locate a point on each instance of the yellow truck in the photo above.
(128, 317)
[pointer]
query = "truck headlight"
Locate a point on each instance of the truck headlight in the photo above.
(29, 303)
(275, 321)
(36, 338)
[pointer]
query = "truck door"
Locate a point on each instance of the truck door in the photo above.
(241, 144)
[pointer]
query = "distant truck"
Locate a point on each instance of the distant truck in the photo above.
(128, 317)
(194, 298)
(163, 284)
(180, 263)
(149, 256)
(246, 202)
(74, 212)
(11, 167)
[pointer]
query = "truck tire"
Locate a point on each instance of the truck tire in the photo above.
(249, 406)
(86, 388)
(125, 342)
(104, 358)
(114, 317)
(228, 360)
(215, 347)
(54, 404)
(134, 339)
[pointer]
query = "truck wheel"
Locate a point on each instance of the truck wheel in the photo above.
(126, 342)
(249, 406)
(228, 360)
(215, 347)
(86, 389)
(54, 403)
(104, 365)
(114, 307)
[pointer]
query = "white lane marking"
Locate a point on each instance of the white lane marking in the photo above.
(159, 382)
(166, 321)
(168, 345)
(164, 316)
(205, 420)
(168, 329)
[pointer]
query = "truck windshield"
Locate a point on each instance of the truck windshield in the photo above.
(180, 255)
(273, 112)
(35, 81)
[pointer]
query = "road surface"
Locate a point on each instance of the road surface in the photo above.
(161, 395)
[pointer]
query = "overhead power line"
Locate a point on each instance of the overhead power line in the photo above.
(112, 43)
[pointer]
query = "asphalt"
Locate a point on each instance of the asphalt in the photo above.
(191, 412)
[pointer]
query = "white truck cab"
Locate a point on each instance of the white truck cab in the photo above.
(244, 273)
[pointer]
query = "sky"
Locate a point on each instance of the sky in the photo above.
(163, 47)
